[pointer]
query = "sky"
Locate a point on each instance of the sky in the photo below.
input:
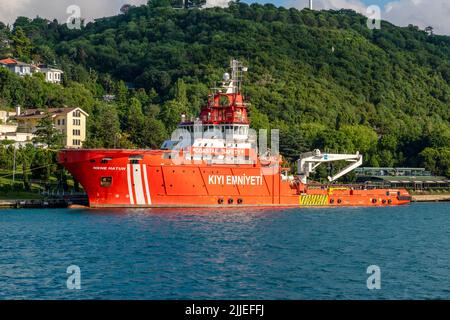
(423, 13)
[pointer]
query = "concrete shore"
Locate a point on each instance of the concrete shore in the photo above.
(53, 203)
(431, 198)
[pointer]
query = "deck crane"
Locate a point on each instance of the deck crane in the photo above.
(309, 161)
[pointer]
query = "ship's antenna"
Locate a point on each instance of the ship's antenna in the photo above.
(237, 75)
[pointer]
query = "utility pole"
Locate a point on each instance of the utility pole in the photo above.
(14, 166)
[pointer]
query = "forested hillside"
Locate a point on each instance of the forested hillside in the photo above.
(323, 78)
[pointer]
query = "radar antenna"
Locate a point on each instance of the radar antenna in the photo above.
(234, 85)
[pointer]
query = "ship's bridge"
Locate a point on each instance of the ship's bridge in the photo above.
(222, 131)
(235, 132)
(225, 108)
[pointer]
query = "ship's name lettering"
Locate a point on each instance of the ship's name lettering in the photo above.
(235, 180)
(110, 168)
(219, 151)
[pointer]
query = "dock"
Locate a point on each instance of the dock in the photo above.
(431, 198)
(17, 204)
(50, 202)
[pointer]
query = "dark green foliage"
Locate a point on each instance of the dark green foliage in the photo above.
(321, 77)
(47, 134)
(22, 44)
(42, 165)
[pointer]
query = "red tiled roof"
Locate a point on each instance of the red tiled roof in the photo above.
(35, 113)
(8, 61)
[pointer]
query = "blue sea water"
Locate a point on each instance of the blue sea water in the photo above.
(226, 254)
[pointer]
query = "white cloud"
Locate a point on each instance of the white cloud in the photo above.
(11, 9)
(400, 12)
(216, 3)
(90, 9)
(356, 5)
(435, 13)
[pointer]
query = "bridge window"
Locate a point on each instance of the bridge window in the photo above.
(106, 182)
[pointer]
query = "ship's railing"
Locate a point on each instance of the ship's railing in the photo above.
(353, 186)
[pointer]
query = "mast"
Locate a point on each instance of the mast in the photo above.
(237, 76)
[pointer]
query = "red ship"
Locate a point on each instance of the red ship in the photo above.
(213, 161)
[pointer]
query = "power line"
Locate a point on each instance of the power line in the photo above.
(27, 171)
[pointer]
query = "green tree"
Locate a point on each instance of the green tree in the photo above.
(436, 160)
(25, 156)
(47, 134)
(22, 44)
(104, 131)
(154, 133)
(171, 112)
(136, 122)
(42, 164)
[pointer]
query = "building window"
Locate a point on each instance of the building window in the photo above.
(76, 142)
(59, 122)
(63, 121)
(76, 132)
(76, 122)
(77, 113)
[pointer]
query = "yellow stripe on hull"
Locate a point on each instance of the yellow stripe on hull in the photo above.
(313, 200)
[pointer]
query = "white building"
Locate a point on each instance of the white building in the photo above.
(5, 115)
(8, 128)
(20, 127)
(71, 122)
(52, 75)
(19, 138)
(19, 68)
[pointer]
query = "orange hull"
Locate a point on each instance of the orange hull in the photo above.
(149, 178)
